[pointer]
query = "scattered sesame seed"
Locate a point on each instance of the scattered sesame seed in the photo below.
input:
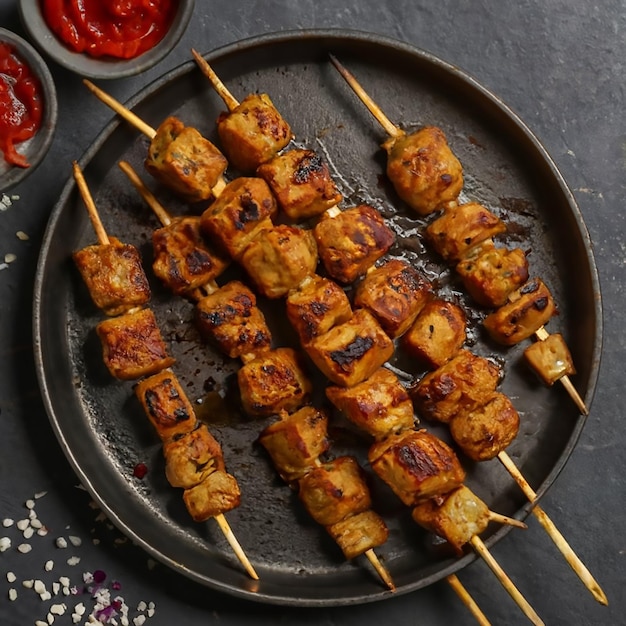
(49, 565)
(142, 606)
(40, 494)
(9, 257)
(42, 532)
(7, 522)
(24, 548)
(45, 596)
(32, 515)
(40, 623)
(30, 504)
(58, 609)
(36, 524)
(5, 543)
(3, 266)
(11, 577)
(39, 587)
(80, 609)
(28, 532)
(22, 236)
(23, 524)
(75, 541)
(50, 619)
(56, 587)
(28, 584)
(139, 620)
(64, 580)
(12, 594)
(73, 560)
(61, 542)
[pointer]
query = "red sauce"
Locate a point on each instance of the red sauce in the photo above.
(20, 104)
(115, 28)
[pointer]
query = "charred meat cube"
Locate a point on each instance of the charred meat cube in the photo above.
(334, 490)
(273, 382)
(245, 206)
(359, 533)
(191, 457)
(486, 430)
(437, 334)
(352, 351)
(166, 405)
(379, 405)
(253, 132)
(182, 258)
(315, 306)
(231, 319)
(279, 258)
(465, 382)
(395, 293)
(550, 358)
(114, 276)
(295, 442)
(462, 227)
(530, 308)
(183, 160)
(301, 182)
(423, 170)
(416, 465)
(461, 516)
(218, 493)
(132, 345)
(352, 241)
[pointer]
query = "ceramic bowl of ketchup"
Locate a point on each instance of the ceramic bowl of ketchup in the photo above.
(106, 38)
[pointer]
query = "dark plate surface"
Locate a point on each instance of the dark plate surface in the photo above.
(103, 430)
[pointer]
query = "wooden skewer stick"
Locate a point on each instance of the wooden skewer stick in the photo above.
(234, 544)
(467, 600)
(92, 211)
(146, 194)
(508, 521)
(570, 556)
(229, 100)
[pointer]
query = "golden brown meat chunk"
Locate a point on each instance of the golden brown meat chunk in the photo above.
(132, 345)
(359, 533)
(461, 516)
(273, 382)
(462, 227)
(550, 358)
(465, 382)
(245, 206)
(218, 493)
(423, 170)
(416, 465)
(279, 259)
(295, 442)
(437, 334)
(530, 308)
(486, 430)
(301, 182)
(315, 306)
(352, 351)
(379, 405)
(191, 457)
(253, 132)
(395, 293)
(231, 319)
(183, 160)
(352, 241)
(183, 260)
(114, 276)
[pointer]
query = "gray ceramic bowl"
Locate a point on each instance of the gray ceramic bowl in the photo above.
(83, 64)
(35, 148)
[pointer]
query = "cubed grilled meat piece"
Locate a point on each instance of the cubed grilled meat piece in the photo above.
(423, 170)
(359, 533)
(301, 182)
(114, 276)
(551, 358)
(217, 494)
(183, 160)
(132, 345)
(352, 241)
(416, 465)
(380, 405)
(253, 132)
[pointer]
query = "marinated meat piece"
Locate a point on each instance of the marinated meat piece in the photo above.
(352, 351)
(245, 206)
(359, 533)
(530, 308)
(183, 160)
(114, 276)
(132, 345)
(295, 442)
(461, 516)
(273, 382)
(437, 334)
(487, 430)
(315, 306)
(462, 384)
(166, 404)
(301, 182)
(379, 405)
(352, 241)
(461, 228)
(395, 293)
(551, 358)
(182, 258)
(191, 457)
(279, 259)
(423, 170)
(253, 132)
(218, 493)
(334, 490)
(416, 465)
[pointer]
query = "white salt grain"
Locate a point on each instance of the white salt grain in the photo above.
(49, 565)
(139, 620)
(64, 580)
(28, 584)
(40, 623)
(58, 609)
(7, 522)
(28, 532)
(39, 587)
(30, 504)
(75, 541)
(5, 543)
(23, 524)
(50, 619)
(36, 524)
(42, 532)
(11, 577)
(24, 548)
(80, 609)
(73, 560)
(12, 594)
(56, 588)
(60, 542)
(142, 606)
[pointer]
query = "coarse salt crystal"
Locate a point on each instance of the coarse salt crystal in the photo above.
(12, 594)
(56, 588)
(36, 524)
(11, 577)
(30, 503)
(73, 560)
(28, 584)
(39, 587)
(49, 565)
(58, 609)
(60, 542)
(50, 619)
(32, 514)
(142, 606)
(41, 623)
(7, 522)
(64, 580)
(80, 609)
(9, 257)
(42, 532)
(45, 596)
(139, 620)
(75, 541)
(22, 236)
(28, 532)
(5, 543)
(23, 524)
(24, 548)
